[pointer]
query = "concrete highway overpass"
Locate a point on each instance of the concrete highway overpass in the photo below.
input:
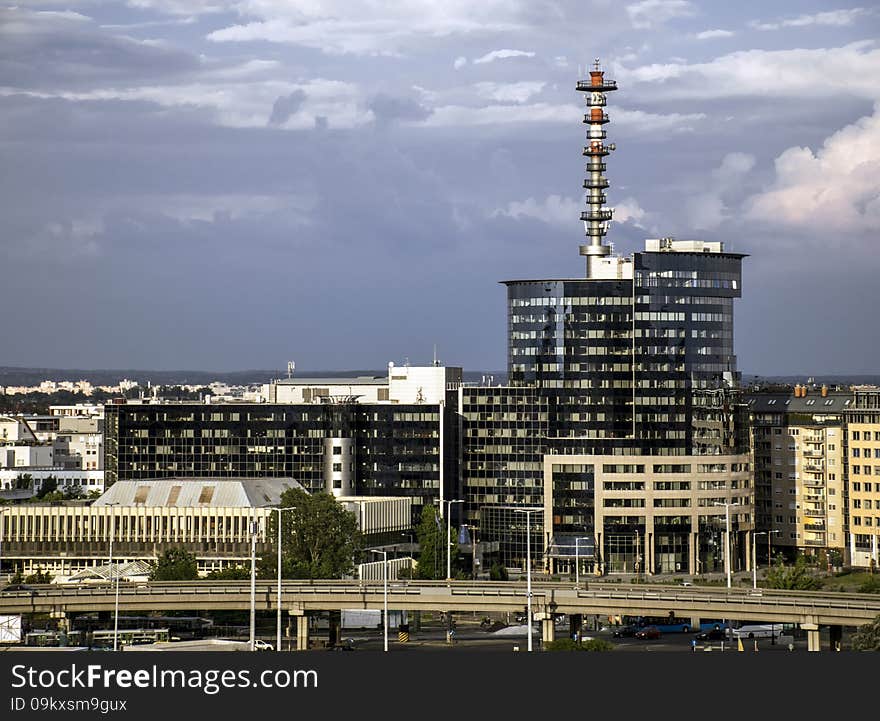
(808, 609)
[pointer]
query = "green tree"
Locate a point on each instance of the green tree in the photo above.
(867, 637)
(40, 576)
(175, 564)
(230, 573)
(430, 544)
(48, 486)
(497, 572)
(319, 538)
(432, 532)
(797, 577)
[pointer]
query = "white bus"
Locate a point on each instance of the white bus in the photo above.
(757, 630)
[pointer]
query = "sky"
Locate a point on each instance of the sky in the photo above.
(235, 184)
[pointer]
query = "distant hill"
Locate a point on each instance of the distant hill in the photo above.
(12, 376)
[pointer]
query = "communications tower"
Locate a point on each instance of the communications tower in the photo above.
(596, 216)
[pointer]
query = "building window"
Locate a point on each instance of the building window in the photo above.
(337, 467)
(856, 436)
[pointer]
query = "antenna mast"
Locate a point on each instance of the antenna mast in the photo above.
(596, 216)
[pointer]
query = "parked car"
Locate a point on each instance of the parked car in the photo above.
(649, 632)
(260, 645)
(713, 634)
(624, 631)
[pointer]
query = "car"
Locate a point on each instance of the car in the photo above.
(15, 587)
(713, 634)
(261, 645)
(624, 631)
(648, 633)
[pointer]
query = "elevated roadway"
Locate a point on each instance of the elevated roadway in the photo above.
(598, 598)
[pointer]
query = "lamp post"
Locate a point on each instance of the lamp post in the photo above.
(577, 560)
(449, 535)
(528, 512)
(253, 620)
(280, 511)
(384, 590)
(727, 562)
(116, 592)
(754, 553)
(2, 532)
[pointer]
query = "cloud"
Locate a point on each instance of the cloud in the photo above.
(340, 27)
(708, 209)
(509, 92)
(565, 212)
(285, 106)
(388, 109)
(553, 210)
(713, 34)
(629, 211)
(46, 49)
(835, 189)
(834, 18)
(241, 103)
(768, 73)
(460, 62)
(502, 54)
(649, 13)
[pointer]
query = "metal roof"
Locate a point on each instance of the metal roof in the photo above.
(198, 492)
(108, 572)
(813, 402)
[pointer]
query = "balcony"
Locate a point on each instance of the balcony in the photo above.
(814, 453)
(820, 513)
(597, 119)
(596, 215)
(814, 527)
(589, 87)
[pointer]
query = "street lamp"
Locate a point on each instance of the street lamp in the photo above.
(253, 620)
(528, 512)
(116, 600)
(727, 562)
(384, 589)
(754, 555)
(278, 629)
(449, 535)
(2, 531)
(577, 560)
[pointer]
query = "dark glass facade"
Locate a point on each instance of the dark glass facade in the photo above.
(396, 448)
(634, 366)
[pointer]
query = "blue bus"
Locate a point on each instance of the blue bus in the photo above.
(665, 624)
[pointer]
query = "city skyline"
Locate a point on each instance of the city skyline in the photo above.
(232, 185)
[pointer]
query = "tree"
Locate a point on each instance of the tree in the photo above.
(797, 577)
(175, 564)
(430, 542)
(39, 576)
(497, 572)
(48, 485)
(319, 538)
(867, 637)
(230, 573)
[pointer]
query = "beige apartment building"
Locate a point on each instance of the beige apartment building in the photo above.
(800, 471)
(863, 456)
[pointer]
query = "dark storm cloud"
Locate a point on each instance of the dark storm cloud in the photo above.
(285, 106)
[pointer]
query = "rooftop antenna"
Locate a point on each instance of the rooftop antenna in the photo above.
(436, 362)
(290, 367)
